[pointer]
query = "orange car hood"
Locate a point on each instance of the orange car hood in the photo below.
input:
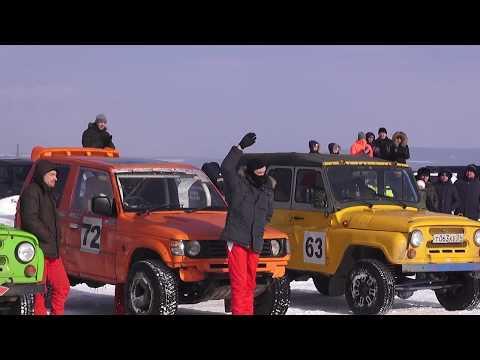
(200, 225)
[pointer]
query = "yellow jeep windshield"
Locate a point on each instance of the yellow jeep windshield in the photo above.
(372, 184)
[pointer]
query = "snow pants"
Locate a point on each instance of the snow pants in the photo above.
(242, 266)
(56, 277)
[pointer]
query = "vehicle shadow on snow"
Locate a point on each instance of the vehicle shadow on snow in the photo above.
(87, 303)
(81, 302)
(308, 300)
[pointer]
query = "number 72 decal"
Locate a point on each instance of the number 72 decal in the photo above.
(91, 234)
(314, 247)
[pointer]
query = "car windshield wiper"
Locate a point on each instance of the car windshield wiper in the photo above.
(358, 201)
(401, 203)
(149, 209)
(207, 208)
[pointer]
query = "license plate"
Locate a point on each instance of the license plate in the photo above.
(447, 238)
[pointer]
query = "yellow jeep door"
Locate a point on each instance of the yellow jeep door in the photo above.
(302, 215)
(309, 220)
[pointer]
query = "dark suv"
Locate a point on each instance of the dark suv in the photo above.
(12, 175)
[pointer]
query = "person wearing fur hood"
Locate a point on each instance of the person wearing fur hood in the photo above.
(400, 152)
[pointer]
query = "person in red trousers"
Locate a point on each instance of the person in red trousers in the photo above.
(38, 213)
(249, 194)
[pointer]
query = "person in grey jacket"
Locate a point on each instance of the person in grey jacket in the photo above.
(249, 194)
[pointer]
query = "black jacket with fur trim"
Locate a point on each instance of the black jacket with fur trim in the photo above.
(400, 153)
(250, 208)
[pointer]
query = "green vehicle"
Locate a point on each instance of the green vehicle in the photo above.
(21, 271)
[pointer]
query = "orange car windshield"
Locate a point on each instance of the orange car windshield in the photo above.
(168, 191)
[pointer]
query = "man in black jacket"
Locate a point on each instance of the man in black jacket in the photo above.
(249, 195)
(382, 145)
(448, 198)
(400, 151)
(96, 135)
(38, 216)
(469, 191)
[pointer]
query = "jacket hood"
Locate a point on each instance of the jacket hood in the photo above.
(42, 167)
(402, 135)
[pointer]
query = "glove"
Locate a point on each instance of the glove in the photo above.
(248, 140)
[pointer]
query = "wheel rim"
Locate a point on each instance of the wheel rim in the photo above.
(364, 290)
(141, 294)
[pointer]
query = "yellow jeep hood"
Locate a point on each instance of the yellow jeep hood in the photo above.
(399, 220)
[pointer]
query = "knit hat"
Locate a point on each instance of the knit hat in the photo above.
(101, 118)
(254, 164)
(361, 135)
(382, 130)
(472, 167)
(423, 172)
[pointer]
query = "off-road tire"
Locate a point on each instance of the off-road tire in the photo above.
(24, 305)
(159, 285)
(466, 297)
(372, 281)
(275, 300)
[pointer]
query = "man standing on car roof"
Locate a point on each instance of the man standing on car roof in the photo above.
(382, 145)
(249, 195)
(469, 191)
(314, 147)
(334, 149)
(448, 198)
(96, 135)
(38, 213)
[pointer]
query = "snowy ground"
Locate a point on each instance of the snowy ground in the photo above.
(305, 301)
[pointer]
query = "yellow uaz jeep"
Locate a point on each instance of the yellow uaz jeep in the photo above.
(357, 228)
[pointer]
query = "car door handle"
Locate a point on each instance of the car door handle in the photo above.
(298, 218)
(74, 226)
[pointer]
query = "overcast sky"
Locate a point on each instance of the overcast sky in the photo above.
(199, 100)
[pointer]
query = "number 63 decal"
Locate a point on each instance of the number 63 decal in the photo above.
(91, 234)
(314, 247)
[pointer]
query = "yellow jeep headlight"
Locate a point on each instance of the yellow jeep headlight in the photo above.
(476, 238)
(416, 238)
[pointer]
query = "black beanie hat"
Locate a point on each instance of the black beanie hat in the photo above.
(472, 167)
(423, 172)
(382, 129)
(254, 164)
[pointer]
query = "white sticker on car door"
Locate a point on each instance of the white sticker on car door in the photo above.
(314, 247)
(91, 234)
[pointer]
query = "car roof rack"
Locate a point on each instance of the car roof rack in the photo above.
(42, 152)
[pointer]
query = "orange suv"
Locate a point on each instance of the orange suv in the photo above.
(155, 228)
